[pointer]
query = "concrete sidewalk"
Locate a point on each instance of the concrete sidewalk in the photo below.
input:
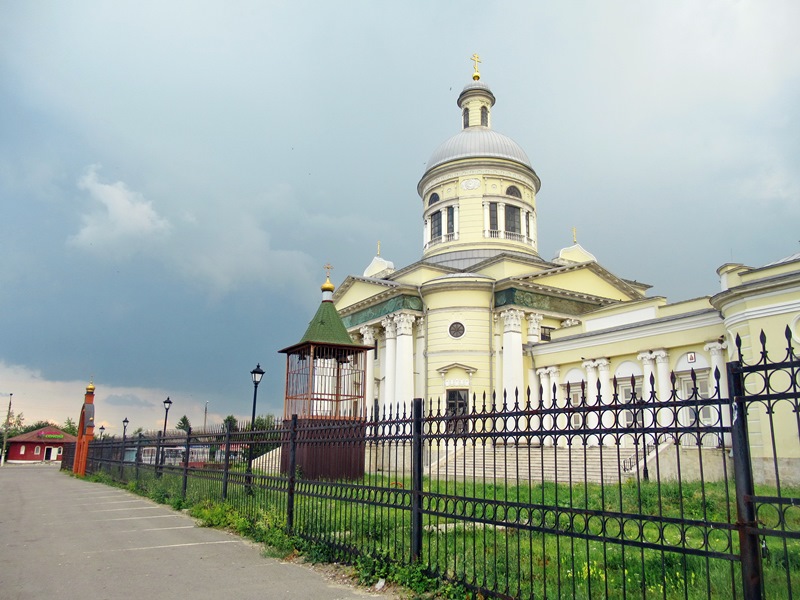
(66, 538)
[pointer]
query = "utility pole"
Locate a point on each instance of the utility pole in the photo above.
(205, 416)
(5, 430)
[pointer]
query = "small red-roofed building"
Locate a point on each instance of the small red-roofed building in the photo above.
(43, 445)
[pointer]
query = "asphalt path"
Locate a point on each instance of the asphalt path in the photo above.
(66, 538)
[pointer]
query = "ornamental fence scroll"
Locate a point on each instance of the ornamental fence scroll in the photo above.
(575, 496)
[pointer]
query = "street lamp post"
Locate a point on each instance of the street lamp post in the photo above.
(167, 404)
(102, 431)
(5, 430)
(124, 432)
(256, 374)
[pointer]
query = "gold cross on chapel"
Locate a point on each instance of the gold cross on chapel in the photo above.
(328, 268)
(476, 59)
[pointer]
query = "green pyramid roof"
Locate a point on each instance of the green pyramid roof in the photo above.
(326, 327)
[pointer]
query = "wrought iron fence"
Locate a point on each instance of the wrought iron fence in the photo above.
(574, 496)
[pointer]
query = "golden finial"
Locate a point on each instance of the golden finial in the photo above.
(327, 286)
(379, 247)
(90, 387)
(574, 236)
(476, 59)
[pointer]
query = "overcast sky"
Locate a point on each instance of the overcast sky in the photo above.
(173, 175)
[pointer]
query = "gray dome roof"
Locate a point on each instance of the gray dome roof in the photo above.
(478, 142)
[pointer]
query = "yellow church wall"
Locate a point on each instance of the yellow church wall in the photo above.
(420, 275)
(584, 282)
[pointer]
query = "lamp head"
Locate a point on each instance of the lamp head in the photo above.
(167, 403)
(125, 421)
(257, 374)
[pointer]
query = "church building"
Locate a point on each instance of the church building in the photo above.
(482, 313)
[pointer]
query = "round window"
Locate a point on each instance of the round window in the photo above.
(456, 329)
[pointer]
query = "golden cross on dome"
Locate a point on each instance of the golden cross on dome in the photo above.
(379, 247)
(574, 236)
(328, 268)
(476, 59)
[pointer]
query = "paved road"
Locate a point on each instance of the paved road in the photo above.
(65, 538)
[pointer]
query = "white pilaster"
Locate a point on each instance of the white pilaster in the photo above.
(717, 350)
(498, 363)
(501, 218)
(455, 222)
(390, 363)
(486, 219)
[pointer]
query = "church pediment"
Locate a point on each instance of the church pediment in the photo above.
(587, 278)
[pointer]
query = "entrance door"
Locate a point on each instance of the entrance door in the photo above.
(456, 411)
(48, 453)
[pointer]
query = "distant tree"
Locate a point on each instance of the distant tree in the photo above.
(264, 423)
(234, 424)
(70, 427)
(266, 434)
(183, 424)
(14, 424)
(137, 431)
(39, 425)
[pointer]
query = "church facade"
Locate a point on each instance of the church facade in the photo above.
(482, 314)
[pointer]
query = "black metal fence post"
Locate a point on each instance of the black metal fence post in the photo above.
(743, 474)
(159, 454)
(186, 461)
(227, 463)
(138, 455)
(291, 482)
(416, 481)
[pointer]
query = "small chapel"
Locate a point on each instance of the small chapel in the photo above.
(483, 317)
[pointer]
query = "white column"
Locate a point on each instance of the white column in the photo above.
(646, 359)
(664, 387)
(606, 396)
(420, 362)
(647, 417)
(592, 419)
(485, 219)
(455, 222)
(368, 339)
(426, 232)
(717, 350)
(501, 218)
(546, 402)
(404, 371)
(560, 422)
(534, 327)
(512, 354)
(390, 363)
